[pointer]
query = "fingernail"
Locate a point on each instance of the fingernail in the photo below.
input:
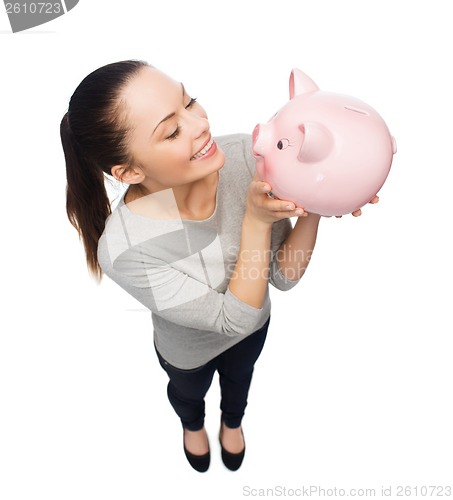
(299, 211)
(289, 207)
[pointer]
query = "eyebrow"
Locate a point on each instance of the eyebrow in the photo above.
(171, 115)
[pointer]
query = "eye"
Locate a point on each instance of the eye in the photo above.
(175, 134)
(192, 101)
(282, 144)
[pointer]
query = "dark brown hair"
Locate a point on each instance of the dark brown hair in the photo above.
(94, 136)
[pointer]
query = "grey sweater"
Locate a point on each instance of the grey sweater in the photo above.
(180, 269)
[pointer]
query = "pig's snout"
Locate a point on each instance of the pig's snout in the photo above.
(256, 147)
(260, 140)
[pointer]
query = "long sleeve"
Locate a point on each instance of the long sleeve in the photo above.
(186, 300)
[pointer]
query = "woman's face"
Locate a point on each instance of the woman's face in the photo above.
(170, 138)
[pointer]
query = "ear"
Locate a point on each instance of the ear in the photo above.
(300, 83)
(317, 144)
(127, 174)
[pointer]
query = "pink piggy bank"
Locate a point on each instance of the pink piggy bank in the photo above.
(328, 153)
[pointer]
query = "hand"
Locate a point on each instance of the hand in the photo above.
(265, 209)
(358, 212)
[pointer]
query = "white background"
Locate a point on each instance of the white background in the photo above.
(354, 386)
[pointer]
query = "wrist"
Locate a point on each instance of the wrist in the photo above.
(310, 218)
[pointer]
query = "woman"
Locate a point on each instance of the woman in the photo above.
(195, 238)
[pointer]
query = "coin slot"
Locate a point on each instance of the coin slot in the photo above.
(357, 110)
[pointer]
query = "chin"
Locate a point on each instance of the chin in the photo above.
(219, 159)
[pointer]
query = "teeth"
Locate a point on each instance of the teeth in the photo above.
(204, 150)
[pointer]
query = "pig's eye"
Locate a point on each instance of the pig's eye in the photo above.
(283, 144)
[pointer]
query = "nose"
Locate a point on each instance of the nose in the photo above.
(259, 139)
(198, 123)
(255, 134)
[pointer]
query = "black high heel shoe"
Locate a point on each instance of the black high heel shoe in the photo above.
(199, 462)
(232, 461)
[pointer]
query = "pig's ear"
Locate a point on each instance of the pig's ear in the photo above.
(317, 143)
(300, 83)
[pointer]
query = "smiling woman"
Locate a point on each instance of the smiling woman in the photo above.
(181, 236)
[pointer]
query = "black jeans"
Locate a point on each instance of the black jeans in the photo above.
(187, 389)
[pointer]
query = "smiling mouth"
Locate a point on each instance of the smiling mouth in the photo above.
(203, 151)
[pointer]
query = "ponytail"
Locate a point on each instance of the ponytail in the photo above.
(87, 202)
(94, 135)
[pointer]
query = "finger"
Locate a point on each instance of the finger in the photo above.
(260, 187)
(286, 206)
(287, 214)
(264, 187)
(298, 212)
(374, 200)
(357, 213)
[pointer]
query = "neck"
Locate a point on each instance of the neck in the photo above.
(194, 200)
(195, 197)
